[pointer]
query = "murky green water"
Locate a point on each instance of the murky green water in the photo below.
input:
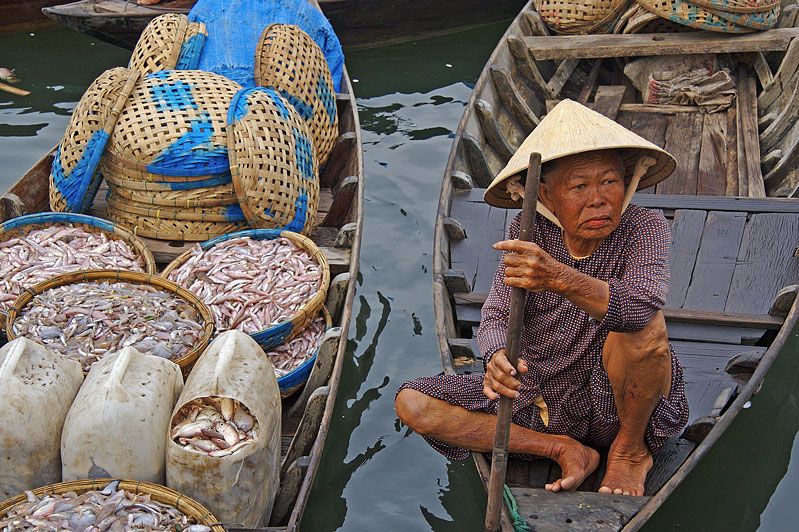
(376, 475)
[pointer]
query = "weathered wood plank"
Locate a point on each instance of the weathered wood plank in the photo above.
(343, 195)
(608, 99)
(308, 429)
(687, 233)
(494, 137)
(712, 178)
(731, 188)
(336, 295)
(512, 100)
(751, 205)
(666, 462)
(766, 262)
(339, 163)
(578, 510)
(750, 177)
(681, 135)
(290, 483)
(528, 68)
(599, 46)
(561, 76)
(320, 373)
(478, 167)
(715, 262)
(652, 127)
(722, 334)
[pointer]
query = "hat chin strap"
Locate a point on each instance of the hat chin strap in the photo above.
(516, 190)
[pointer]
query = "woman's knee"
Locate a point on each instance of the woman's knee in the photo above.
(650, 344)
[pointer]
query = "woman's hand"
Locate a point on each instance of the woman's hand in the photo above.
(500, 377)
(530, 267)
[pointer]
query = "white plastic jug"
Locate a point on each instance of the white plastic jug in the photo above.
(37, 386)
(238, 488)
(116, 425)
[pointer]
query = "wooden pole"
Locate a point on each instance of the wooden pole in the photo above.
(518, 296)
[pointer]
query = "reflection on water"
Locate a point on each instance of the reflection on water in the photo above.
(375, 472)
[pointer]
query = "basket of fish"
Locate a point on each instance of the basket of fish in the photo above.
(267, 283)
(105, 504)
(87, 314)
(293, 360)
(37, 247)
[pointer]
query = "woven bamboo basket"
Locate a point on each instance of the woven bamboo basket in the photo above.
(285, 330)
(583, 17)
(199, 197)
(122, 171)
(212, 181)
(639, 20)
(82, 276)
(73, 177)
(228, 213)
(173, 127)
(293, 381)
(178, 230)
(739, 6)
(185, 505)
(696, 16)
(169, 41)
(273, 164)
(22, 225)
(289, 60)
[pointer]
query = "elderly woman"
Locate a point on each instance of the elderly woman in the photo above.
(595, 367)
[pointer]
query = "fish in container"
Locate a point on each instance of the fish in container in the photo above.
(138, 394)
(223, 444)
(37, 386)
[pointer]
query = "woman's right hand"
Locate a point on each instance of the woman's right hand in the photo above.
(500, 377)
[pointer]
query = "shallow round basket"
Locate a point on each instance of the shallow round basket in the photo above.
(185, 505)
(169, 41)
(274, 166)
(639, 20)
(289, 60)
(24, 224)
(206, 182)
(83, 276)
(294, 380)
(74, 179)
(163, 229)
(227, 213)
(288, 329)
(739, 6)
(693, 15)
(199, 197)
(583, 17)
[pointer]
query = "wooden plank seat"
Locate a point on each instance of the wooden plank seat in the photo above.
(643, 44)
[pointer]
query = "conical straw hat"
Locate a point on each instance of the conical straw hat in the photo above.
(571, 128)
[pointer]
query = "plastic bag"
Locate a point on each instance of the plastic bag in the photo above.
(116, 425)
(36, 388)
(239, 487)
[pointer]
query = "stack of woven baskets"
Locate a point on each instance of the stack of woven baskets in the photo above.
(188, 154)
(653, 16)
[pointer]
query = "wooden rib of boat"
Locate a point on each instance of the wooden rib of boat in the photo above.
(357, 22)
(307, 416)
(734, 261)
(20, 15)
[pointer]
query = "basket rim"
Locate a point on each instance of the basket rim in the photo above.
(81, 276)
(157, 492)
(288, 380)
(162, 212)
(315, 301)
(43, 218)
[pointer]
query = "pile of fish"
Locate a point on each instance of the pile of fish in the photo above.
(110, 509)
(250, 284)
(290, 355)
(44, 253)
(217, 426)
(84, 321)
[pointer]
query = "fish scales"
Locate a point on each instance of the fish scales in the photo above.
(43, 253)
(85, 321)
(250, 284)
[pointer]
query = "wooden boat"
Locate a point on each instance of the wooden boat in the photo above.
(21, 15)
(734, 266)
(307, 416)
(357, 22)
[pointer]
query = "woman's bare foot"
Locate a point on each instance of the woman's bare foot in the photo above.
(576, 462)
(627, 469)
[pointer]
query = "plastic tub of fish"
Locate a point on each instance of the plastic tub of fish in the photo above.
(136, 505)
(267, 283)
(37, 247)
(86, 314)
(294, 360)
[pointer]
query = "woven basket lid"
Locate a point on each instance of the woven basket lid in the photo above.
(639, 20)
(73, 176)
(289, 60)
(584, 17)
(174, 125)
(696, 16)
(169, 42)
(569, 129)
(274, 166)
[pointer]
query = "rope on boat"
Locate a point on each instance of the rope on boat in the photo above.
(519, 523)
